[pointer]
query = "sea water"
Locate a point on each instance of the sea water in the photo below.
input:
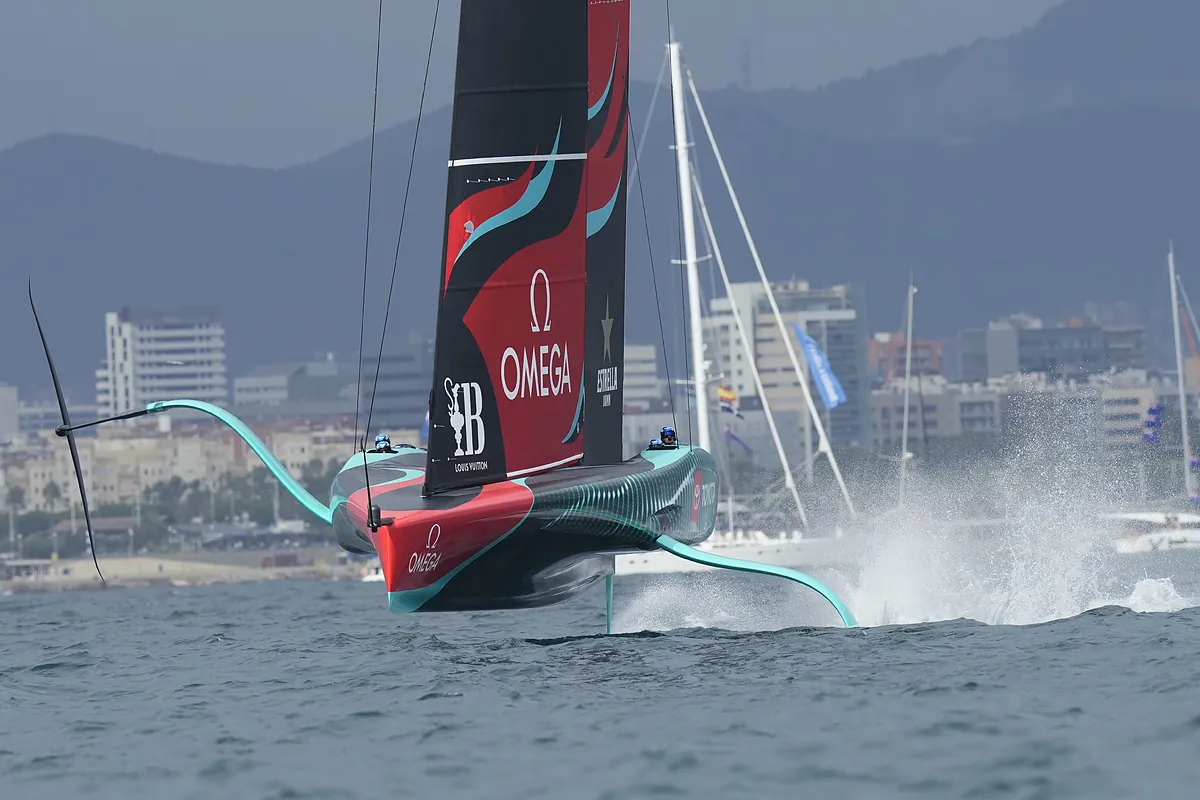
(715, 686)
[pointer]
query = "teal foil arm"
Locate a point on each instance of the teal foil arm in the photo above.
(724, 562)
(273, 464)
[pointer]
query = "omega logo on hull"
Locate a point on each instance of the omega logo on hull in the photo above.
(428, 560)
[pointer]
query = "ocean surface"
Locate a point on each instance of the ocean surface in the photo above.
(716, 686)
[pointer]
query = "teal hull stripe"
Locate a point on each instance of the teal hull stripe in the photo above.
(412, 599)
(276, 468)
(578, 413)
(594, 110)
(356, 462)
(535, 192)
(597, 219)
(724, 562)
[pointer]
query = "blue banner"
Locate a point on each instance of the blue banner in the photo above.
(425, 431)
(822, 373)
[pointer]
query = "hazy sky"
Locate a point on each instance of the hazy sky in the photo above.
(276, 82)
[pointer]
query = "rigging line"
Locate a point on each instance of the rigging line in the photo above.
(650, 112)
(362, 318)
(712, 270)
(653, 273)
(679, 241)
(1192, 330)
(412, 158)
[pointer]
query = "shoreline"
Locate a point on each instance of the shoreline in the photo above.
(145, 571)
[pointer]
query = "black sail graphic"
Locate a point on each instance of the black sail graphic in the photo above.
(508, 389)
(606, 178)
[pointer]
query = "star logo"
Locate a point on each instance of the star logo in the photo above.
(607, 324)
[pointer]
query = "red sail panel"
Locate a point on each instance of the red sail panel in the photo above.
(508, 364)
(607, 168)
(528, 324)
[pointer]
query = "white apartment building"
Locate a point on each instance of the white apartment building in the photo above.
(833, 316)
(937, 409)
(641, 385)
(161, 355)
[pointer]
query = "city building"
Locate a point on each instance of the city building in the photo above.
(1023, 344)
(322, 380)
(1108, 410)
(886, 355)
(401, 399)
(641, 385)
(1124, 411)
(263, 386)
(834, 317)
(119, 463)
(1118, 314)
(937, 410)
(10, 414)
(160, 355)
(36, 416)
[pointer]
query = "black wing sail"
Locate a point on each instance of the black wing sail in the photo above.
(507, 396)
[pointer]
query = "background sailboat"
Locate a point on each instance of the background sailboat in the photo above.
(1153, 531)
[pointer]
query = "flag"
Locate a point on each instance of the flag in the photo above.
(1152, 423)
(822, 373)
(729, 401)
(733, 437)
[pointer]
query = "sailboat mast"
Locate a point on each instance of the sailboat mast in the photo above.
(699, 373)
(748, 346)
(1181, 382)
(823, 444)
(912, 290)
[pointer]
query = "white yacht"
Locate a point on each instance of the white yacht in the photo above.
(785, 549)
(1153, 531)
(371, 572)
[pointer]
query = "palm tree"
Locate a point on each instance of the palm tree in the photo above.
(15, 500)
(15, 497)
(52, 494)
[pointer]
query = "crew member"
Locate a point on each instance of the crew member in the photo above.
(383, 445)
(666, 439)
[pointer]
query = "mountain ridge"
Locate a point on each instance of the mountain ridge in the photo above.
(1022, 212)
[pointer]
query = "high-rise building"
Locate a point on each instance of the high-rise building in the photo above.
(155, 355)
(10, 419)
(401, 399)
(834, 317)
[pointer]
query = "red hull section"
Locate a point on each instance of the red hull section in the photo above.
(423, 547)
(518, 544)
